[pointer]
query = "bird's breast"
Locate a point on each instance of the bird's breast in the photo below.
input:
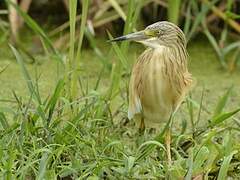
(157, 91)
(157, 85)
(161, 79)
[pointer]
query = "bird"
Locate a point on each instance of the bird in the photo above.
(160, 79)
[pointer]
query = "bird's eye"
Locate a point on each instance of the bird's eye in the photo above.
(151, 32)
(154, 32)
(160, 33)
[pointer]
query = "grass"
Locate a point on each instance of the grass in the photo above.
(173, 11)
(80, 146)
(45, 133)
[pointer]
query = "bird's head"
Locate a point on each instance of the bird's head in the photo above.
(161, 33)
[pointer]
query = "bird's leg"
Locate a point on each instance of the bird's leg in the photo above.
(168, 139)
(141, 130)
(168, 145)
(142, 126)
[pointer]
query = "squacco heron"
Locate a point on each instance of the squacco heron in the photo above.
(160, 79)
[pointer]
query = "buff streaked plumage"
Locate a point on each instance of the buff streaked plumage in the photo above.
(157, 86)
(160, 79)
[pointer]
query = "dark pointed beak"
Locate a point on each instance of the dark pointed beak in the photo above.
(137, 36)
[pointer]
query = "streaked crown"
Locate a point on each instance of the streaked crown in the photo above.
(166, 32)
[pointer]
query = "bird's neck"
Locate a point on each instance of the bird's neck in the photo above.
(175, 56)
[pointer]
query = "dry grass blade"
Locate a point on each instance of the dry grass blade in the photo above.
(36, 28)
(223, 16)
(118, 8)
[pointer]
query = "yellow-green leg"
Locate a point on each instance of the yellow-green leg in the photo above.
(142, 126)
(168, 145)
(168, 138)
(141, 130)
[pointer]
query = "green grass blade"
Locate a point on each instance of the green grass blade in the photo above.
(190, 166)
(72, 17)
(71, 70)
(115, 81)
(225, 166)
(187, 22)
(200, 15)
(26, 75)
(99, 79)
(200, 108)
(200, 159)
(43, 166)
(53, 101)
(76, 60)
(121, 56)
(85, 5)
(222, 117)
(174, 7)
(147, 148)
(42, 114)
(137, 11)
(128, 26)
(224, 36)
(191, 113)
(4, 68)
(222, 102)
(231, 46)
(3, 121)
(96, 49)
(214, 44)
